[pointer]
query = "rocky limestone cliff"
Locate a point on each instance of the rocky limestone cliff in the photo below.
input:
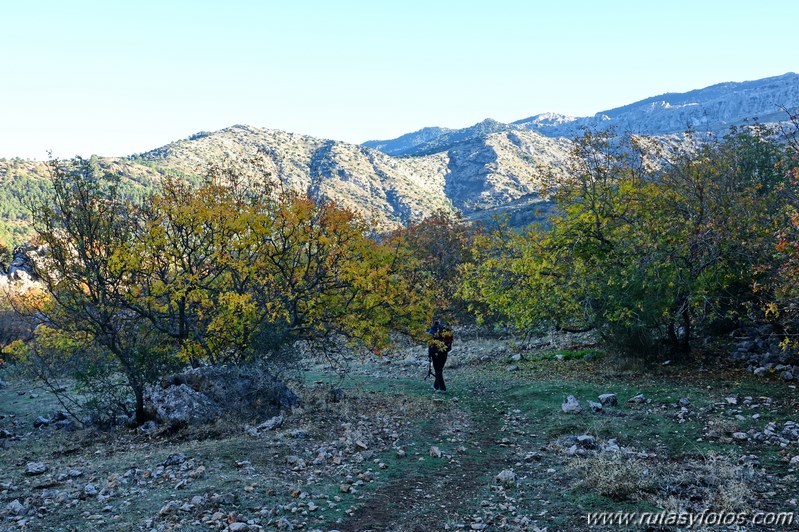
(482, 171)
(711, 109)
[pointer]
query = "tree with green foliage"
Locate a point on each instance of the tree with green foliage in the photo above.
(227, 272)
(441, 245)
(87, 227)
(648, 244)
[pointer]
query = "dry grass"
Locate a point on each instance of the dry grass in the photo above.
(616, 476)
(713, 481)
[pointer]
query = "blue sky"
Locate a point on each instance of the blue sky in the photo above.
(116, 77)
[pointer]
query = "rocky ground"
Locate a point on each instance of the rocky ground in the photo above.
(504, 449)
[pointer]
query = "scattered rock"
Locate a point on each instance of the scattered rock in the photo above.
(571, 405)
(435, 452)
(181, 404)
(6, 434)
(795, 460)
(506, 478)
(586, 441)
(204, 394)
(174, 459)
(41, 421)
(16, 507)
(611, 446)
(684, 401)
(594, 406)
(740, 436)
(90, 489)
(512, 367)
(148, 427)
(786, 375)
(731, 400)
(638, 399)
(608, 399)
(35, 468)
(169, 508)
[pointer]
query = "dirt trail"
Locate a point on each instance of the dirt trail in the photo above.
(424, 501)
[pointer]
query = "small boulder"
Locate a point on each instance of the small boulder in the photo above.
(40, 421)
(586, 441)
(181, 404)
(506, 478)
(35, 468)
(271, 424)
(786, 375)
(795, 460)
(608, 399)
(594, 406)
(638, 399)
(174, 459)
(571, 405)
(148, 427)
(612, 446)
(740, 436)
(17, 508)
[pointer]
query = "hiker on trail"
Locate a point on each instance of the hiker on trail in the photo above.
(439, 346)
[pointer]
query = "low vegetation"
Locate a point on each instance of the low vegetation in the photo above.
(376, 451)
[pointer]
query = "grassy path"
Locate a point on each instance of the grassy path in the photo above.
(431, 490)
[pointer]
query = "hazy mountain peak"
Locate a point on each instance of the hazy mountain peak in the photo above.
(711, 109)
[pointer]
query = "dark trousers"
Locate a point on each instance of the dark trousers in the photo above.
(439, 358)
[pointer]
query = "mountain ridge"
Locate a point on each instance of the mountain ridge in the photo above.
(711, 109)
(488, 168)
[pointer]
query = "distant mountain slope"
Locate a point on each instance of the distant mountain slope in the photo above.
(369, 181)
(408, 141)
(712, 109)
(436, 139)
(483, 171)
